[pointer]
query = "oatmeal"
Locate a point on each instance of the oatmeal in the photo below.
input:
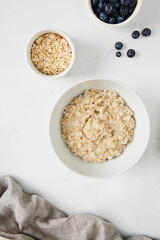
(97, 125)
(51, 54)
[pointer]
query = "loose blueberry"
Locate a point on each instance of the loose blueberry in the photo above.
(101, 4)
(131, 10)
(133, 3)
(146, 32)
(135, 34)
(117, 3)
(131, 53)
(123, 11)
(118, 54)
(118, 45)
(111, 1)
(125, 2)
(94, 3)
(120, 19)
(109, 9)
(112, 20)
(103, 17)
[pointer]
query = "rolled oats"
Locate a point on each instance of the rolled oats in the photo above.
(51, 54)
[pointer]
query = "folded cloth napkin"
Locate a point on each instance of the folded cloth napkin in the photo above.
(31, 217)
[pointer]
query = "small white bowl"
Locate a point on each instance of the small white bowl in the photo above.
(133, 151)
(38, 34)
(137, 8)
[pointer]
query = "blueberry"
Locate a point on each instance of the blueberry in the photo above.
(109, 8)
(111, 1)
(120, 19)
(131, 10)
(103, 17)
(118, 54)
(112, 20)
(116, 14)
(146, 32)
(117, 3)
(104, 5)
(125, 2)
(131, 53)
(127, 16)
(133, 3)
(101, 4)
(97, 11)
(118, 45)
(94, 3)
(135, 34)
(123, 11)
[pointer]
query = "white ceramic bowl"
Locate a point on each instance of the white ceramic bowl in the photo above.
(28, 51)
(137, 8)
(133, 151)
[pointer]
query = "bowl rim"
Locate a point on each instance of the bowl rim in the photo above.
(146, 141)
(38, 34)
(132, 16)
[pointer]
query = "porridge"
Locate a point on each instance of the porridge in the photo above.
(97, 125)
(51, 54)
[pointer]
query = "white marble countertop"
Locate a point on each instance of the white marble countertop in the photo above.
(130, 201)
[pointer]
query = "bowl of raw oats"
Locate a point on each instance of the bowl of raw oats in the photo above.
(99, 128)
(51, 53)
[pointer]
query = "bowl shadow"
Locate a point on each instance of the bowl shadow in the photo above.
(151, 158)
(148, 14)
(87, 58)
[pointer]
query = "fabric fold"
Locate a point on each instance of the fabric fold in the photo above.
(29, 217)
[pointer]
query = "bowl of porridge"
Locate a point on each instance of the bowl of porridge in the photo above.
(99, 128)
(51, 53)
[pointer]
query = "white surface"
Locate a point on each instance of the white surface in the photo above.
(130, 201)
(130, 155)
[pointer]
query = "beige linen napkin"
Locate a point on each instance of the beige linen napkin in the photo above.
(31, 217)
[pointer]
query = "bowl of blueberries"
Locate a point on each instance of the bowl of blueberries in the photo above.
(114, 12)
